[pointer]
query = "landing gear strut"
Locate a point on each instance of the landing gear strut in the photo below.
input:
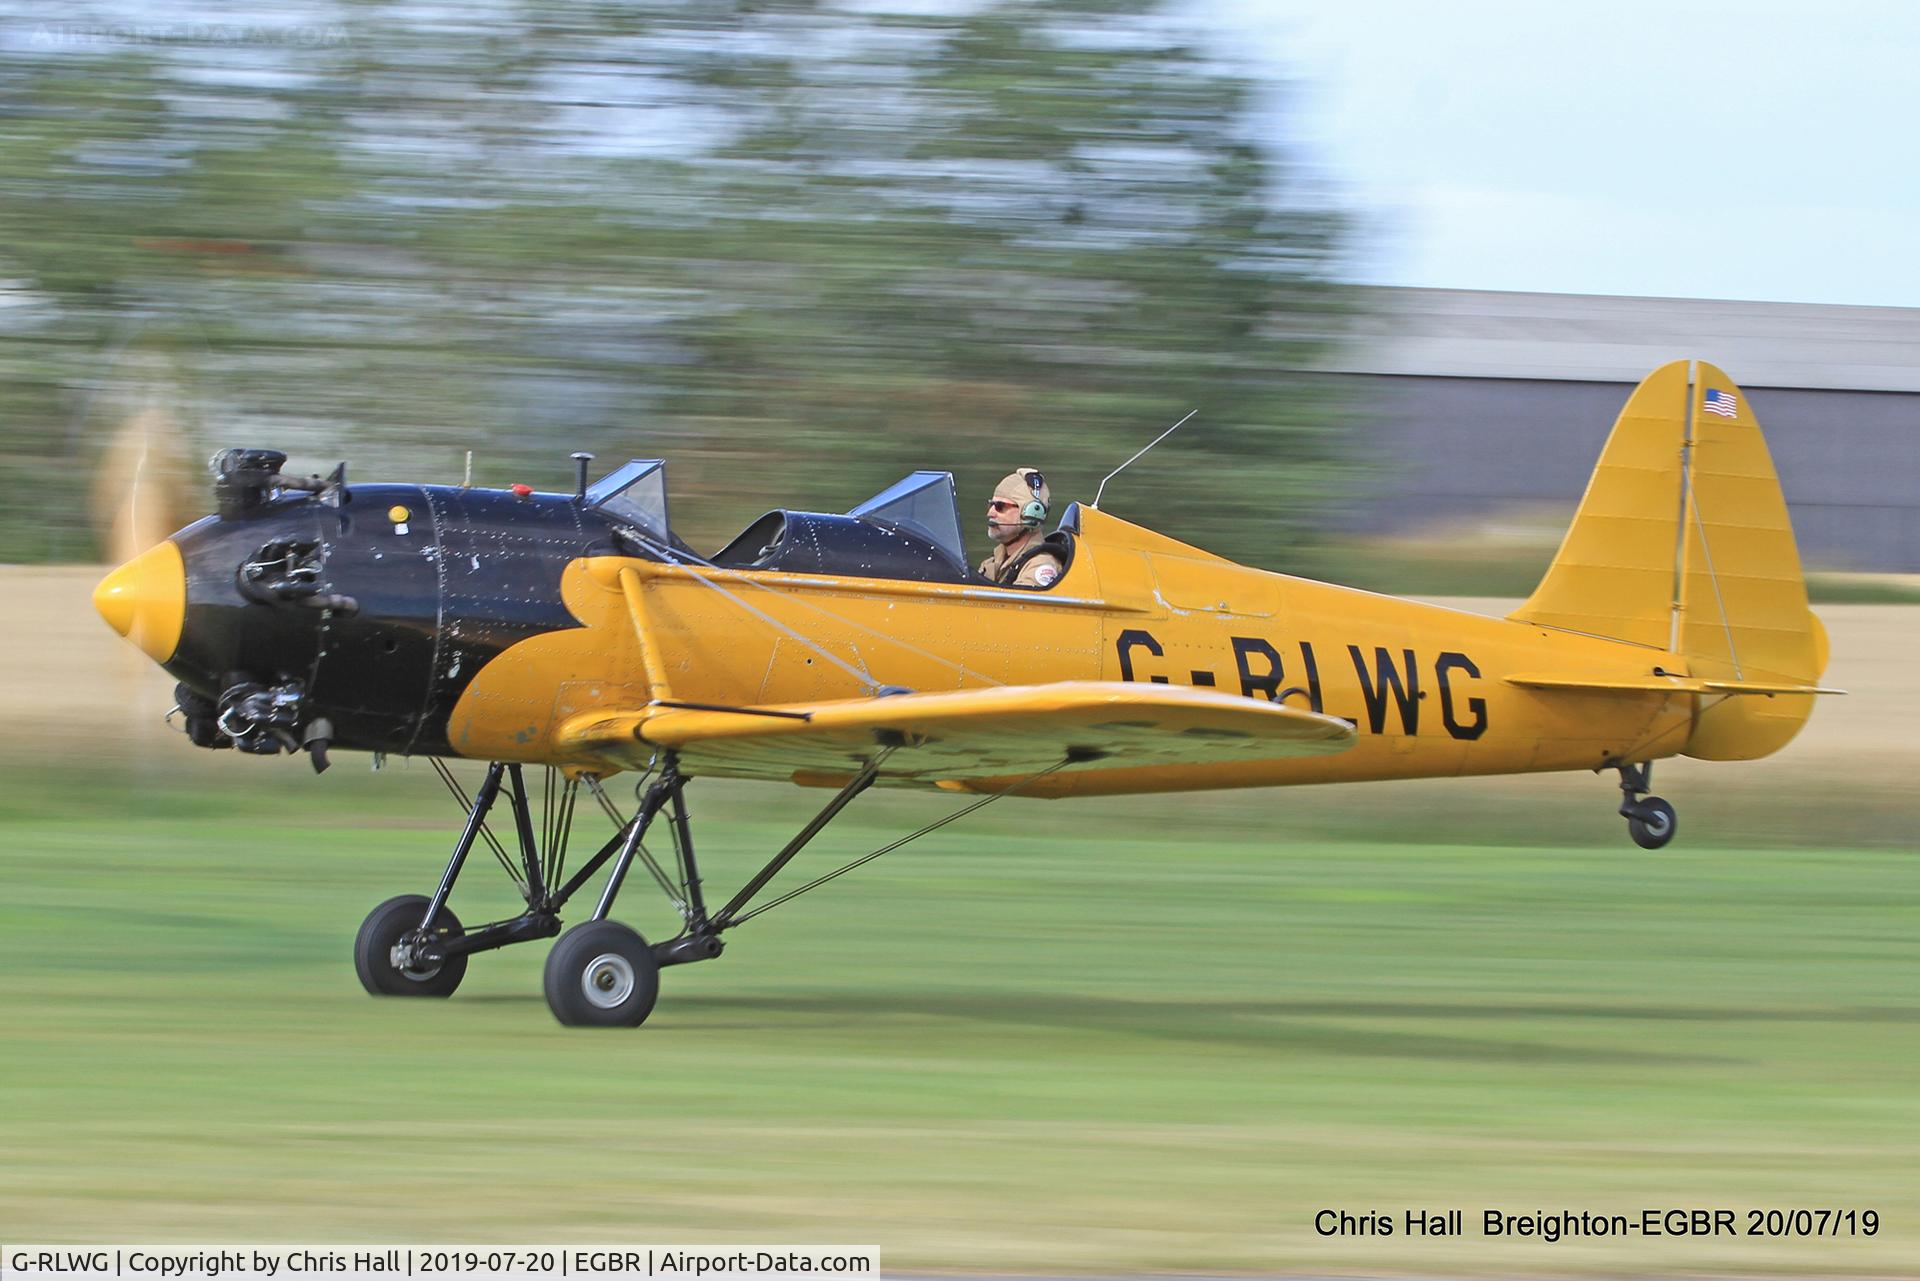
(601, 973)
(1650, 820)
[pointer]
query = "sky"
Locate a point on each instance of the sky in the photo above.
(1736, 149)
(1764, 150)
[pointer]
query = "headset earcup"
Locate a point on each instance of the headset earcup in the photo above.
(1033, 513)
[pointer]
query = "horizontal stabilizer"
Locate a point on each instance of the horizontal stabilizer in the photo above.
(1665, 684)
(958, 739)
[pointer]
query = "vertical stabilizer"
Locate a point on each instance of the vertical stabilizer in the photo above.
(1682, 544)
(1614, 573)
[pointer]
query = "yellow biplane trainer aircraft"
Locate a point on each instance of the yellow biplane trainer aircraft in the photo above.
(576, 632)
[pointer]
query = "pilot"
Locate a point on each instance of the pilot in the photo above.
(1021, 558)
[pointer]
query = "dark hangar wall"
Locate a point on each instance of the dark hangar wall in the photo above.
(1482, 400)
(1456, 448)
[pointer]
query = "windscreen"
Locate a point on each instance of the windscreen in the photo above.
(925, 504)
(635, 493)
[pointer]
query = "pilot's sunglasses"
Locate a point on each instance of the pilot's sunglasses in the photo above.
(1001, 505)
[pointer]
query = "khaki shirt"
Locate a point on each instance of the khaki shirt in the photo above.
(1041, 571)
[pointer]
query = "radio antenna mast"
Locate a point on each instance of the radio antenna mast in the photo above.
(1136, 458)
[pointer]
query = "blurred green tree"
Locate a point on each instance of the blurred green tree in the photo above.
(797, 247)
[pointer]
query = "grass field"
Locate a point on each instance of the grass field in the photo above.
(1159, 1043)
(1144, 1035)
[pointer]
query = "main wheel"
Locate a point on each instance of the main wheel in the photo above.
(602, 974)
(1652, 823)
(384, 927)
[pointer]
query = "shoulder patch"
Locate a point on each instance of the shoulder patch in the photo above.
(1045, 575)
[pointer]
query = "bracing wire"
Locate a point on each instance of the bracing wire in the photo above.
(606, 803)
(486, 833)
(1680, 531)
(865, 678)
(647, 860)
(1712, 577)
(681, 558)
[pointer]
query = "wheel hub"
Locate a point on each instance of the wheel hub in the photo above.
(608, 980)
(402, 958)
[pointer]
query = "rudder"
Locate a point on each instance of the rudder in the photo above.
(1743, 611)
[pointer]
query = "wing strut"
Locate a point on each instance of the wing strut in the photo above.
(728, 916)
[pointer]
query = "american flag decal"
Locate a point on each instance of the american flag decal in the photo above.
(1722, 403)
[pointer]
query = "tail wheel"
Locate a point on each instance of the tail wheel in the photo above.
(602, 974)
(380, 935)
(1652, 824)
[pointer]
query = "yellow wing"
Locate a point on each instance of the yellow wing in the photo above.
(967, 740)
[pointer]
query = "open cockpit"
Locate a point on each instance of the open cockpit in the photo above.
(908, 531)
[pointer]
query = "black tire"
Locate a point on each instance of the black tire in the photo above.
(385, 926)
(1652, 823)
(602, 974)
